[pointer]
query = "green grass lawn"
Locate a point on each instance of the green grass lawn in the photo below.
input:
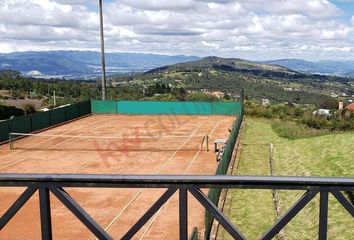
(253, 211)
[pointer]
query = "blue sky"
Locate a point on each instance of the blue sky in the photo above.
(308, 29)
(347, 6)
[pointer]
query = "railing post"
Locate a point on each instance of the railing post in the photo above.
(323, 221)
(183, 214)
(46, 220)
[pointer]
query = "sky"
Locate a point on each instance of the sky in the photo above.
(250, 29)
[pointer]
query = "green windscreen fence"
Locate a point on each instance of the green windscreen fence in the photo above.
(4, 130)
(225, 108)
(21, 124)
(105, 107)
(194, 235)
(158, 107)
(42, 120)
(57, 116)
(146, 107)
(72, 112)
(223, 166)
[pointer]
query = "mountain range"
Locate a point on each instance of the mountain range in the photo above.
(86, 64)
(83, 64)
(334, 68)
(228, 75)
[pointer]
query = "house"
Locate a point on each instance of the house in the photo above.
(322, 112)
(351, 107)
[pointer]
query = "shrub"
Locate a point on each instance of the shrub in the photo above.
(29, 108)
(316, 122)
(201, 97)
(7, 111)
(293, 130)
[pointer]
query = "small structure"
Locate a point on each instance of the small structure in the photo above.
(265, 102)
(322, 112)
(351, 107)
(340, 105)
(219, 148)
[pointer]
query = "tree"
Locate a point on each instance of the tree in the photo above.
(327, 103)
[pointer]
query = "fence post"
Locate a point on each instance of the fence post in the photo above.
(46, 220)
(323, 221)
(183, 214)
(11, 144)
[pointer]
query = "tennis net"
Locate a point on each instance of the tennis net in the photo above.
(28, 141)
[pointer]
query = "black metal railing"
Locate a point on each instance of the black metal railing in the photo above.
(184, 185)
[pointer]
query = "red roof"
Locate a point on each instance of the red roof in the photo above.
(351, 106)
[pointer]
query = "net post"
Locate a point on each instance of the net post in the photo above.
(207, 142)
(11, 142)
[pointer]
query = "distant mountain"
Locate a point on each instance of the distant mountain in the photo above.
(86, 64)
(335, 68)
(229, 64)
(229, 75)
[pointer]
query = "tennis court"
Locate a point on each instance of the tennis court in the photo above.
(113, 144)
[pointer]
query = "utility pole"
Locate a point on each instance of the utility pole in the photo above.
(104, 93)
(54, 99)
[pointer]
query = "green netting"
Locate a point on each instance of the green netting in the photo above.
(72, 112)
(157, 107)
(194, 235)
(57, 116)
(4, 131)
(147, 107)
(21, 124)
(40, 120)
(104, 106)
(225, 108)
(214, 194)
(84, 108)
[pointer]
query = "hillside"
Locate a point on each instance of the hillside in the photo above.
(253, 211)
(83, 64)
(274, 82)
(334, 68)
(227, 64)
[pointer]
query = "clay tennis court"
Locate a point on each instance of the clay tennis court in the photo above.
(113, 144)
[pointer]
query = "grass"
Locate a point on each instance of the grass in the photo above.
(292, 130)
(328, 155)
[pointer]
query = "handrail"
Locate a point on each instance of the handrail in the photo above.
(163, 181)
(184, 185)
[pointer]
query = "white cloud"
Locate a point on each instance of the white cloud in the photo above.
(243, 28)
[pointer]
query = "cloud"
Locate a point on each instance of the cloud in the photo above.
(316, 9)
(251, 29)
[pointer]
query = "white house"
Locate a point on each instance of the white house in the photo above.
(322, 112)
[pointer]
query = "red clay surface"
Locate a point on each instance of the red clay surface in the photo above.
(116, 210)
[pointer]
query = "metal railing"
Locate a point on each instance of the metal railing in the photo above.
(184, 185)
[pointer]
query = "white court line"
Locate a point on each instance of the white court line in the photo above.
(137, 194)
(58, 144)
(88, 164)
(133, 137)
(35, 144)
(152, 221)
